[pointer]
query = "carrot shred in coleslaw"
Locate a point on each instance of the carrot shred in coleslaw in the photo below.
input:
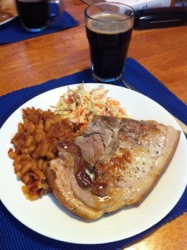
(80, 106)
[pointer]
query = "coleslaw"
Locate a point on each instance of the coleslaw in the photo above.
(80, 106)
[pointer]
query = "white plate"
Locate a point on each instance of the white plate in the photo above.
(7, 20)
(48, 218)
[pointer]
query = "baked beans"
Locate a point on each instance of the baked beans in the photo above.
(34, 145)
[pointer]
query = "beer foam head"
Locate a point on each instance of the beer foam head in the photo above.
(107, 23)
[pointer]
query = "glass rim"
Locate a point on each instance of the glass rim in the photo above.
(109, 3)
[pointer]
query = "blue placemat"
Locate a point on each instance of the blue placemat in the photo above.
(13, 234)
(13, 31)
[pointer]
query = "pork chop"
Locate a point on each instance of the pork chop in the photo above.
(127, 158)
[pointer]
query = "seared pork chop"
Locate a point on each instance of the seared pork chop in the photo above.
(127, 158)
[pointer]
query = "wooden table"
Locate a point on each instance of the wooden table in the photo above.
(162, 51)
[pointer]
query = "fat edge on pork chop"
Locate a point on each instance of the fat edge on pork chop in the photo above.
(126, 157)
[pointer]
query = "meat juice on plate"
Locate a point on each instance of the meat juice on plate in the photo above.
(109, 43)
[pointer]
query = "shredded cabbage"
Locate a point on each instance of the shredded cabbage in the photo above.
(80, 106)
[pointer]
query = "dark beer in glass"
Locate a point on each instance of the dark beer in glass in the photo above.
(34, 14)
(109, 34)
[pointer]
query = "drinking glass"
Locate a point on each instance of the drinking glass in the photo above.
(108, 28)
(36, 15)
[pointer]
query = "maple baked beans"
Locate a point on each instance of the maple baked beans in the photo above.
(34, 145)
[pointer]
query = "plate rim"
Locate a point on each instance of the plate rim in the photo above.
(8, 20)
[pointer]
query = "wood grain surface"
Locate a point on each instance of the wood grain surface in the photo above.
(161, 51)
